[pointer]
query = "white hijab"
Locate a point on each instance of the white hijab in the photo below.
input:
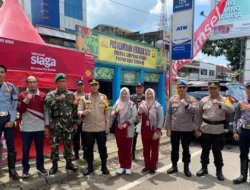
(148, 102)
(151, 108)
(123, 105)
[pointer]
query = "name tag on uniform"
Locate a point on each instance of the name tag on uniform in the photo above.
(175, 106)
(207, 107)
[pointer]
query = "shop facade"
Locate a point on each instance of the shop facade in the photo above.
(121, 63)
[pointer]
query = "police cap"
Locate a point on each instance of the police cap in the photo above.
(213, 84)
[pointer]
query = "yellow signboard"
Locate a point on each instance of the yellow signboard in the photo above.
(126, 52)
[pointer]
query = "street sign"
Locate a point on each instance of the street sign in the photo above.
(183, 29)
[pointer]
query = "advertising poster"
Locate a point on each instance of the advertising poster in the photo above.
(234, 21)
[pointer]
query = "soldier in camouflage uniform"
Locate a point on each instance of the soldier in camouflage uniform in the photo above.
(62, 105)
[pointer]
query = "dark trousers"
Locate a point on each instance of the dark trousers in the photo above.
(27, 138)
(101, 139)
(79, 134)
(185, 139)
(9, 133)
(214, 142)
(244, 143)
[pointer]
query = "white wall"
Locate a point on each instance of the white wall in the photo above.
(207, 66)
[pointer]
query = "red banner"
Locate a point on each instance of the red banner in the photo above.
(200, 37)
(18, 55)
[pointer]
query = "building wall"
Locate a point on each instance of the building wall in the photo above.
(207, 71)
(60, 14)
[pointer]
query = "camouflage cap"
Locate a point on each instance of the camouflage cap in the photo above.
(60, 76)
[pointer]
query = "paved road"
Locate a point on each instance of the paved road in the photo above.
(161, 180)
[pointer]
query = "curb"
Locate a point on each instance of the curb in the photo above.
(60, 176)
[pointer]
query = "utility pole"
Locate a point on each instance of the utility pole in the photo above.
(170, 57)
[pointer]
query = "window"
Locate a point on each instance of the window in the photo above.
(203, 71)
(211, 72)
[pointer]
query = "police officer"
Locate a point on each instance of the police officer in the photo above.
(179, 125)
(211, 120)
(8, 114)
(79, 134)
(94, 108)
(61, 103)
(242, 126)
(137, 99)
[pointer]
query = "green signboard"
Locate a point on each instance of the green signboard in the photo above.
(130, 77)
(104, 73)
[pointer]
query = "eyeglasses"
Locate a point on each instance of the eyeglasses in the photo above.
(182, 87)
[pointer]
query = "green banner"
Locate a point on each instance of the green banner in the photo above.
(151, 77)
(104, 73)
(130, 77)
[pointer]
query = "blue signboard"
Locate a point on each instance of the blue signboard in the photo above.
(183, 19)
(180, 5)
(45, 12)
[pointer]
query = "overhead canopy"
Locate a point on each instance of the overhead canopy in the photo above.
(24, 52)
(14, 23)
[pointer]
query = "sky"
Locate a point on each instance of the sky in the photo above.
(108, 12)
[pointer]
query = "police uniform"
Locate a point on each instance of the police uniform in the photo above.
(79, 133)
(179, 120)
(8, 112)
(94, 126)
(62, 124)
(242, 127)
(137, 100)
(211, 121)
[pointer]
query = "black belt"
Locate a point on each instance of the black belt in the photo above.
(213, 122)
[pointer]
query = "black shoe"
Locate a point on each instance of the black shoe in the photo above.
(88, 171)
(152, 171)
(105, 171)
(239, 180)
(12, 165)
(70, 166)
(144, 170)
(54, 168)
(202, 172)
(172, 170)
(220, 175)
(42, 172)
(187, 171)
(244, 171)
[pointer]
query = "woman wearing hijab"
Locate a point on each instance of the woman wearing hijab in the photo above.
(152, 123)
(125, 112)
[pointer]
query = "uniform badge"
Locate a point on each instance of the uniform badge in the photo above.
(175, 109)
(7, 90)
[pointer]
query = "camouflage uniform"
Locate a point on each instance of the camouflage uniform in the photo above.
(63, 118)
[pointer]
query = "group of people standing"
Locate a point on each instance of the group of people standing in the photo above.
(64, 115)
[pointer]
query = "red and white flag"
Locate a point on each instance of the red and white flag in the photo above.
(200, 37)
